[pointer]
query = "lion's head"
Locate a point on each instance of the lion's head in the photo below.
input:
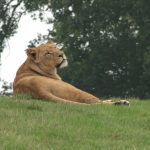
(47, 57)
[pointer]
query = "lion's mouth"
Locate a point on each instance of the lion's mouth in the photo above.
(64, 63)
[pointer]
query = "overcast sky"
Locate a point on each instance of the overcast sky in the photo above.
(14, 54)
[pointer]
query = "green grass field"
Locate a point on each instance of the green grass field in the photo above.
(37, 125)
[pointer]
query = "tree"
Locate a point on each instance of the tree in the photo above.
(10, 14)
(106, 43)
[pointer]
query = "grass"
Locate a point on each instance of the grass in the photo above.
(37, 125)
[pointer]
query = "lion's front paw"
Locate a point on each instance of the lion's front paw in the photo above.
(122, 102)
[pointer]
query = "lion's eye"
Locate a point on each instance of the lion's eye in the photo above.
(49, 54)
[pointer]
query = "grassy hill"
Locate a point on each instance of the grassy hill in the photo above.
(37, 125)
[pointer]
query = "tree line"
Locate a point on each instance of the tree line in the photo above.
(107, 42)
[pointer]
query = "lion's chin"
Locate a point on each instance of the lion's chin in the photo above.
(63, 64)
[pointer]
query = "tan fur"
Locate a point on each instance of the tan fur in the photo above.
(38, 77)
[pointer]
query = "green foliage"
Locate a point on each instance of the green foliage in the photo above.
(106, 43)
(6, 88)
(29, 124)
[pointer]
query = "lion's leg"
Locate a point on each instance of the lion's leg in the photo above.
(84, 97)
(50, 97)
(45, 95)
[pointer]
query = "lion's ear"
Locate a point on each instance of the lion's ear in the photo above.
(50, 42)
(33, 54)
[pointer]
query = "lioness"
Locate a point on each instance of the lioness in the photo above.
(38, 77)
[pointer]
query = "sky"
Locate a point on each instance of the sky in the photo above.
(14, 53)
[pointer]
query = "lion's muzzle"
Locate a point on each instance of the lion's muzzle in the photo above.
(64, 62)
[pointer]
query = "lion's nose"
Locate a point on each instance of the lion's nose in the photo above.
(61, 55)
